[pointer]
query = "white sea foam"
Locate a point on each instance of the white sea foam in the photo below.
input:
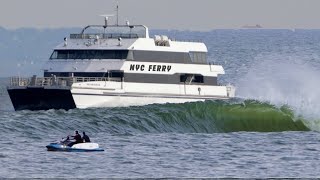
(291, 80)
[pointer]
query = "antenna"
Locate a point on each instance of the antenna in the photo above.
(106, 18)
(117, 14)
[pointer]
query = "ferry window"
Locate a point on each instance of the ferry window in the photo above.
(118, 74)
(99, 55)
(130, 55)
(89, 54)
(183, 78)
(198, 57)
(62, 55)
(54, 55)
(191, 78)
(198, 79)
(71, 55)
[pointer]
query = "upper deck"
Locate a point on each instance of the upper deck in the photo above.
(112, 32)
(106, 45)
(126, 37)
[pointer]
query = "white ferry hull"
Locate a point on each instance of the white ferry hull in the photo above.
(117, 94)
(112, 94)
(91, 100)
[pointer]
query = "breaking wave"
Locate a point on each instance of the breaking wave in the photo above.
(198, 117)
(286, 79)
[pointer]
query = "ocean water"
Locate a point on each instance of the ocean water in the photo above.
(270, 130)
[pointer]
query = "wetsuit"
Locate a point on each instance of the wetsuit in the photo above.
(86, 138)
(78, 138)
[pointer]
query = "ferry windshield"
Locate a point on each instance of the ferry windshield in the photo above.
(89, 54)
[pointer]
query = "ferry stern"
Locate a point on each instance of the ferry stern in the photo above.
(42, 94)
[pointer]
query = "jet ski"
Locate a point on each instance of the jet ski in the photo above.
(67, 145)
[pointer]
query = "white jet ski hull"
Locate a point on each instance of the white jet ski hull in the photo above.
(81, 147)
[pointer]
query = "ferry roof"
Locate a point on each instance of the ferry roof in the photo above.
(124, 37)
(112, 32)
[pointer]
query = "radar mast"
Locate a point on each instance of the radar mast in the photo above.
(117, 14)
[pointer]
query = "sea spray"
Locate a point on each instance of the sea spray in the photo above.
(285, 80)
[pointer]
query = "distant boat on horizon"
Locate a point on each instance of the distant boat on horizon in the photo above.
(257, 26)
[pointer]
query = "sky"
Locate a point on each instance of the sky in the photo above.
(203, 15)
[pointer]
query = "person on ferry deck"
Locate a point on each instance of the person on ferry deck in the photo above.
(85, 138)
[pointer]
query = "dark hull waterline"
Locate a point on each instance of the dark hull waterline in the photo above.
(39, 98)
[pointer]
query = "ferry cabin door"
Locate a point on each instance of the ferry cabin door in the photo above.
(116, 76)
(191, 79)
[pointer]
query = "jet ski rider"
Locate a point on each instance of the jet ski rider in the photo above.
(85, 137)
(77, 138)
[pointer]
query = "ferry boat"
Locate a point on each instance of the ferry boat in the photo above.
(120, 65)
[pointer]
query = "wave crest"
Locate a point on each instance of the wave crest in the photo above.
(196, 117)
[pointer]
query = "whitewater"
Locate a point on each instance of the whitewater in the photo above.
(271, 129)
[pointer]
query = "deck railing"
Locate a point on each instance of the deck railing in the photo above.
(55, 81)
(104, 36)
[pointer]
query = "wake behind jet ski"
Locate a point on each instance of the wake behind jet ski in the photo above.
(75, 146)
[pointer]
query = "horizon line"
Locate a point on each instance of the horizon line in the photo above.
(164, 29)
